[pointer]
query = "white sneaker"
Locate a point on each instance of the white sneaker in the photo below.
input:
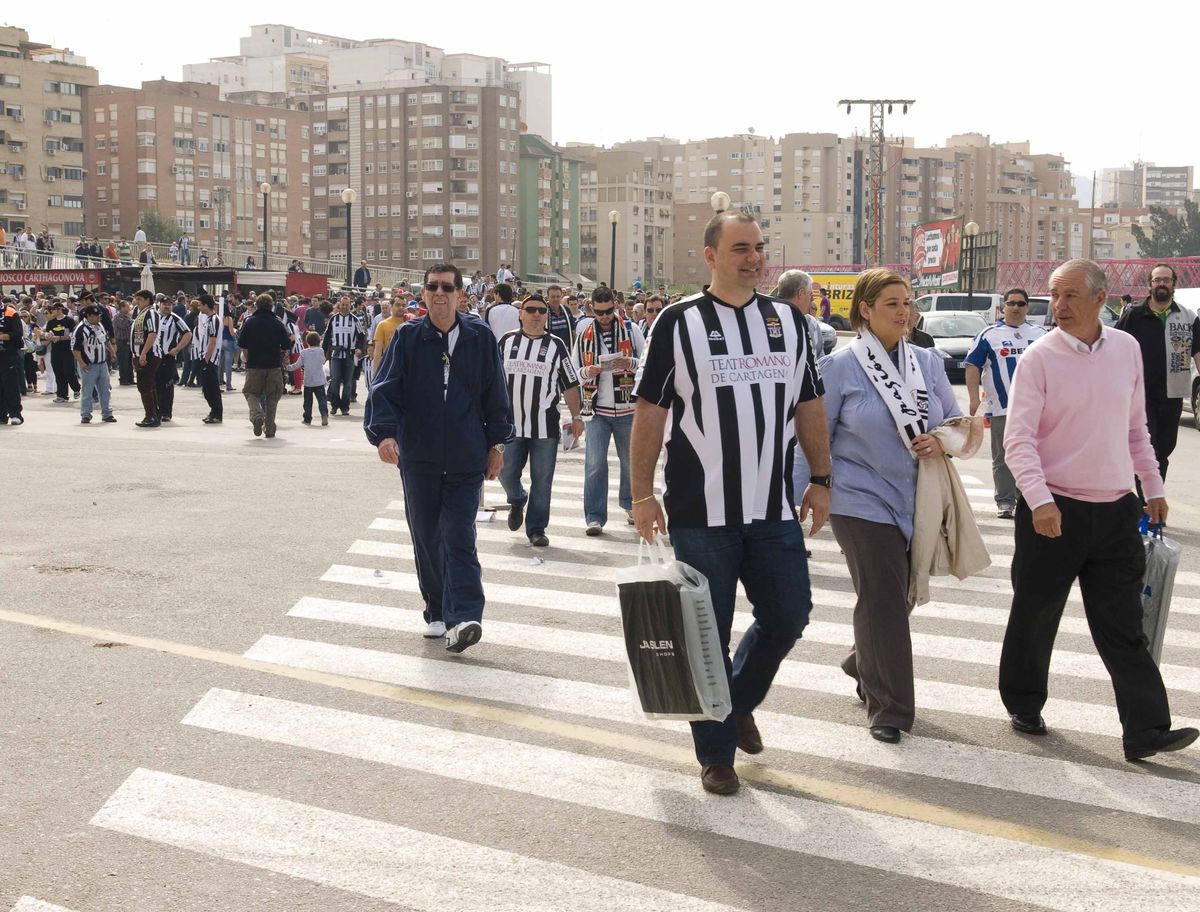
(460, 636)
(629, 516)
(435, 630)
(594, 528)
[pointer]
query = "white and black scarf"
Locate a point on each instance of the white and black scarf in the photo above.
(902, 391)
(591, 347)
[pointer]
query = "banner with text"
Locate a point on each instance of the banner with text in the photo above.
(936, 247)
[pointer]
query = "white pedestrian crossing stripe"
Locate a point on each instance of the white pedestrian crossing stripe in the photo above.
(990, 865)
(371, 858)
(29, 904)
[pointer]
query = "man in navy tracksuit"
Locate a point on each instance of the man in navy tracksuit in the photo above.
(439, 409)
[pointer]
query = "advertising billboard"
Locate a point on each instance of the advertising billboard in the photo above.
(936, 247)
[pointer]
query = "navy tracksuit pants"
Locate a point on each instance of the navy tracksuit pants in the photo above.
(441, 510)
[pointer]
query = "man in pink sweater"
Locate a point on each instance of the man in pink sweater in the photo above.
(1076, 436)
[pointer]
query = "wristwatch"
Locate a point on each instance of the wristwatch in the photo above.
(825, 481)
(499, 448)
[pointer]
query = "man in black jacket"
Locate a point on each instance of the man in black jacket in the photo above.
(1169, 336)
(267, 344)
(12, 353)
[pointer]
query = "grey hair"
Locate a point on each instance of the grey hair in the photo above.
(1097, 280)
(791, 282)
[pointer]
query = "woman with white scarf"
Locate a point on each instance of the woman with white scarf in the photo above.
(883, 395)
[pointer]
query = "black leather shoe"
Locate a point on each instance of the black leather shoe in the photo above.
(749, 740)
(1173, 740)
(211, 420)
(516, 516)
(1028, 723)
(258, 426)
(539, 540)
(145, 423)
(888, 734)
(720, 779)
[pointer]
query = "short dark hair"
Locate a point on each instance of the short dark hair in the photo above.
(503, 292)
(1021, 291)
(712, 231)
(602, 294)
(1174, 278)
(445, 267)
(144, 293)
(264, 302)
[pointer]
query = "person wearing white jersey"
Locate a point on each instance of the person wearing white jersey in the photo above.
(993, 357)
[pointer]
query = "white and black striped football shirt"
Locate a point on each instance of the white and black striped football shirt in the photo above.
(731, 378)
(343, 335)
(171, 329)
(91, 342)
(207, 326)
(538, 371)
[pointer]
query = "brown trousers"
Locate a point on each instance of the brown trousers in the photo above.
(263, 387)
(881, 660)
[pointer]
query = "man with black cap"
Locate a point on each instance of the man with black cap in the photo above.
(12, 353)
(58, 330)
(92, 347)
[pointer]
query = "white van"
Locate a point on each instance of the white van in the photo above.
(959, 300)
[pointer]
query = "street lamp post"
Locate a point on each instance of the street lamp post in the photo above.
(348, 197)
(719, 202)
(614, 216)
(265, 189)
(970, 232)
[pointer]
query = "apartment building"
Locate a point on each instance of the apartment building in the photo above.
(548, 239)
(41, 136)
(639, 188)
(179, 149)
(1145, 184)
(435, 168)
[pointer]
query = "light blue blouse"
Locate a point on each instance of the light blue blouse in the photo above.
(874, 476)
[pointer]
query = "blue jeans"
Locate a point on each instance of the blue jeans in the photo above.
(318, 393)
(341, 383)
(440, 510)
(768, 558)
(542, 455)
(595, 465)
(229, 351)
(95, 380)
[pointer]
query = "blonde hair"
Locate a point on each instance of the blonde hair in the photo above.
(867, 289)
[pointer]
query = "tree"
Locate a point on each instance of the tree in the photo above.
(159, 230)
(1170, 236)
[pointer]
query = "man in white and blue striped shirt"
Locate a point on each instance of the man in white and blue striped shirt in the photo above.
(993, 358)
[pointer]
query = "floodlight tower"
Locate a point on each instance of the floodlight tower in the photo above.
(875, 168)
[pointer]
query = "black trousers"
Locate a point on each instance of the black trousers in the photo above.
(165, 382)
(1100, 546)
(63, 363)
(124, 363)
(190, 372)
(147, 384)
(210, 383)
(1162, 420)
(12, 383)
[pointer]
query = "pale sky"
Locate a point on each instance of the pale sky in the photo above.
(1100, 83)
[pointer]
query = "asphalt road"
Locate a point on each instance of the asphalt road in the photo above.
(214, 695)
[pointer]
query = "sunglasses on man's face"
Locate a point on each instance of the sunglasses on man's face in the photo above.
(536, 310)
(446, 287)
(603, 313)
(653, 310)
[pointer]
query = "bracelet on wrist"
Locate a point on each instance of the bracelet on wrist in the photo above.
(643, 499)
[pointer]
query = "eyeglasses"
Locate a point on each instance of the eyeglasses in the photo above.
(446, 287)
(653, 310)
(1016, 303)
(604, 313)
(536, 310)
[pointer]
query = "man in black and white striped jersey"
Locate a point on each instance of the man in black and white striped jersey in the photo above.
(173, 337)
(206, 349)
(735, 374)
(93, 345)
(538, 369)
(345, 340)
(142, 337)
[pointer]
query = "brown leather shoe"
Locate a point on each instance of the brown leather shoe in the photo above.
(720, 779)
(749, 739)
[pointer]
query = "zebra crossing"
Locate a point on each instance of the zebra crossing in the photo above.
(552, 649)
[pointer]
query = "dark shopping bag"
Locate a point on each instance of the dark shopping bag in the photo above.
(1162, 560)
(676, 665)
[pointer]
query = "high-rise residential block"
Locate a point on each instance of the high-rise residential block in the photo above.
(548, 241)
(41, 136)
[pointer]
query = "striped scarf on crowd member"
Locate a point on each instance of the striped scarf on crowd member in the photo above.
(590, 350)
